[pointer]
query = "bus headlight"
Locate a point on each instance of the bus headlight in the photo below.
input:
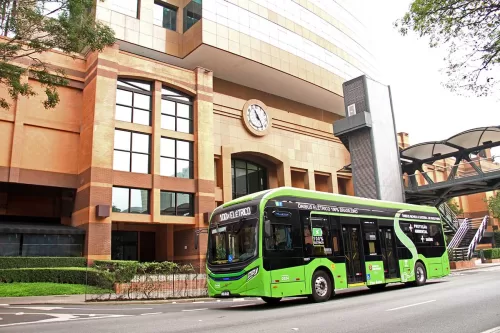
(252, 273)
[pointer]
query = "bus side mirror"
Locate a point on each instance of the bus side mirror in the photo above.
(267, 228)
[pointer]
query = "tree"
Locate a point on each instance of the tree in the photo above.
(455, 207)
(32, 27)
(469, 30)
(494, 205)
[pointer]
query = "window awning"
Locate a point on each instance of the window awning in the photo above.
(39, 228)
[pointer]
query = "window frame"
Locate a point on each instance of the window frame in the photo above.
(135, 91)
(147, 212)
(189, 8)
(177, 100)
(175, 158)
(169, 6)
(131, 152)
(262, 172)
(192, 203)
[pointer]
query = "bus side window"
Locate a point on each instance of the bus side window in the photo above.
(281, 238)
(408, 230)
(321, 238)
(335, 236)
(437, 234)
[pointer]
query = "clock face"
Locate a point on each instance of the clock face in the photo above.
(257, 117)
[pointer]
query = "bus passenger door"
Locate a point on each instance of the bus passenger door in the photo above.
(388, 246)
(351, 241)
(283, 254)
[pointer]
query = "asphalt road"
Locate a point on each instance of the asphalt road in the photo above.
(464, 302)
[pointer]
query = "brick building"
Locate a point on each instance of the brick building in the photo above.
(196, 104)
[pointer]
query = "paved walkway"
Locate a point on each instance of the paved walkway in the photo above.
(80, 299)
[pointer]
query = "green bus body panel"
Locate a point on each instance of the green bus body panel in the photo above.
(296, 281)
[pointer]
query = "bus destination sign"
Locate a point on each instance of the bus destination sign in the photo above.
(327, 208)
(235, 214)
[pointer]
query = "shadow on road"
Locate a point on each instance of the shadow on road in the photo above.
(343, 294)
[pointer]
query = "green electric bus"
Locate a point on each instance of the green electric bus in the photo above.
(289, 242)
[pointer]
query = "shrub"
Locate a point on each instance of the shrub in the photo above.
(120, 270)
(38, 262)
(496, 235)
(492, 253)
(71, 275)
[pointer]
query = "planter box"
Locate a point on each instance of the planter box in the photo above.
(462, 264)
(491, 261)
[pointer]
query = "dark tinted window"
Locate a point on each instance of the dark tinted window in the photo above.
(176, 158)
(165, 15)
(247, 178)
(179, 204)
(176, 111)
(131, 152)
(130, 200)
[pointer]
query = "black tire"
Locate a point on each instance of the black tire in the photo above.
(377, 287)
(420, 274)
(271, 300)
(321, 286)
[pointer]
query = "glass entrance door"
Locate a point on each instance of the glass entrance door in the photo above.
(350, 234)
(388, 247)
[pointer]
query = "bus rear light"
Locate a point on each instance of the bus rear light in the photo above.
(297, 279)
(276, 281)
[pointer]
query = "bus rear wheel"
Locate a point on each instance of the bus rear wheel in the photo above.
(420, 274)
(321, 287)
(271, 300)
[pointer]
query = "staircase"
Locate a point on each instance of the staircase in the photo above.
(463, 244)
(450, 220)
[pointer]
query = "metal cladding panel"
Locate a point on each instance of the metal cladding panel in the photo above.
(363, 171)
(355, 93)
(385, 146)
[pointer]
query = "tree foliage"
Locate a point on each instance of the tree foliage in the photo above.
(455, 207)
(494, 205)
(32, 27)
(469, 30)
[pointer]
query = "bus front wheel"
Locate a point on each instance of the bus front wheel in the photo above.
(271, 300)
(321, 287)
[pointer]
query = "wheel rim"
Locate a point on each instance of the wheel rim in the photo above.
(321, 286)
(420, 274)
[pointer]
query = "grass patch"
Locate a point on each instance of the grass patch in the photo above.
(46, 289)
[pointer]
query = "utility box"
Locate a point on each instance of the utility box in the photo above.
(369, 133)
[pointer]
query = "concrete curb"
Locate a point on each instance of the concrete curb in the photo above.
(474, 268)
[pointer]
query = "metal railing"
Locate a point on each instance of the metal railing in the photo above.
(449, 216)
(465, 169)
(459, 235)
(477, 237)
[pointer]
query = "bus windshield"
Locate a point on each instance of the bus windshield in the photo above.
(233, 242)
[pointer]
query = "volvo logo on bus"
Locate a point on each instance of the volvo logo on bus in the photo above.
(235, 214)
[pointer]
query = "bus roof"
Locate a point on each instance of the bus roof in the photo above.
(303, 193)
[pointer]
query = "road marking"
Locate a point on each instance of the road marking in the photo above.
(150, 314)
(19, 313)
(239, 300)
(46, 308)
(195, 310)
(493, 330)
(407, 306)
(198, 302)
(58, 317)
(241, 305)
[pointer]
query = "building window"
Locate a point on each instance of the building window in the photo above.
(127, 7)
(192, 14)
(178, 204)
(130, 200)
(176, 158)
(165, 15)
(133, 101)
(247, 178)
(176, 111)
(131, 152)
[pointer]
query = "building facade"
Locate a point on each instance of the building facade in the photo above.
(196, 104)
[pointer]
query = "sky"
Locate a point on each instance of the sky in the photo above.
(423, 107)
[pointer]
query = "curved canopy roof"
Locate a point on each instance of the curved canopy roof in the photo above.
(481, 138)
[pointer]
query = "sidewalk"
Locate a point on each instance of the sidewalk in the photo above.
(478, 266)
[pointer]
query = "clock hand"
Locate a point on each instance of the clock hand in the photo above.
(258, 118)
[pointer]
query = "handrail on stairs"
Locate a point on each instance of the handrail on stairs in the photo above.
(477, 237)
(459, 235)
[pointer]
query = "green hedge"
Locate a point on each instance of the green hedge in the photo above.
(492, 253)
(72, 275)
(38, 262)
(121, 270)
